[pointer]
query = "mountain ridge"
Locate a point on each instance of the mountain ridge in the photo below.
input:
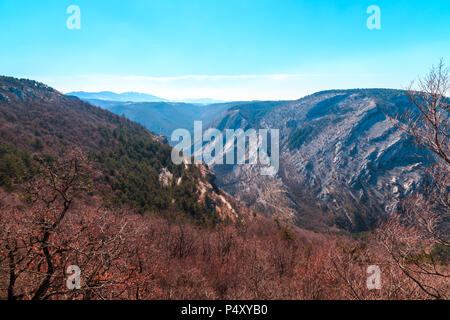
(342, 162)
(133, 96)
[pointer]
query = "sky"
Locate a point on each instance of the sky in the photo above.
(226, 50)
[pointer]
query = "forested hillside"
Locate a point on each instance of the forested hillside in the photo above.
(129, 159)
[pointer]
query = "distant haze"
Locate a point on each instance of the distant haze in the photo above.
(112, 96)
(134, 97)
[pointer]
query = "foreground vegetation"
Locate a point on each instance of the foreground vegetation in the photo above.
(125, 255)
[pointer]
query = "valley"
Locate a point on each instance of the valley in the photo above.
(343, 164)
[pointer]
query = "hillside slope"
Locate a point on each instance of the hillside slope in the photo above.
(164, 117)
(112, 96)
(135, 165)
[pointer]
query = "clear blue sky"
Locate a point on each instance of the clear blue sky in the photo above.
(233, 49)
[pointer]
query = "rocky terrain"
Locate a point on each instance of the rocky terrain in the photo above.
(342, 162)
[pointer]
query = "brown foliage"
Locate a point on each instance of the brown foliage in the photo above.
(122, 255)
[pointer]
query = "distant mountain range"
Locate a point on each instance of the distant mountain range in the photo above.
(112, 96)
(134, 97)
(156, 114)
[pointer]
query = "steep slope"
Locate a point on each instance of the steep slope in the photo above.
(342, 164)
(133, 161)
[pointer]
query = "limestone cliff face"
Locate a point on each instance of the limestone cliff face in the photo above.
(342, 163)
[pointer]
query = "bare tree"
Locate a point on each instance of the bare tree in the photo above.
(39, 241)
(413, 237)
(428, 122)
